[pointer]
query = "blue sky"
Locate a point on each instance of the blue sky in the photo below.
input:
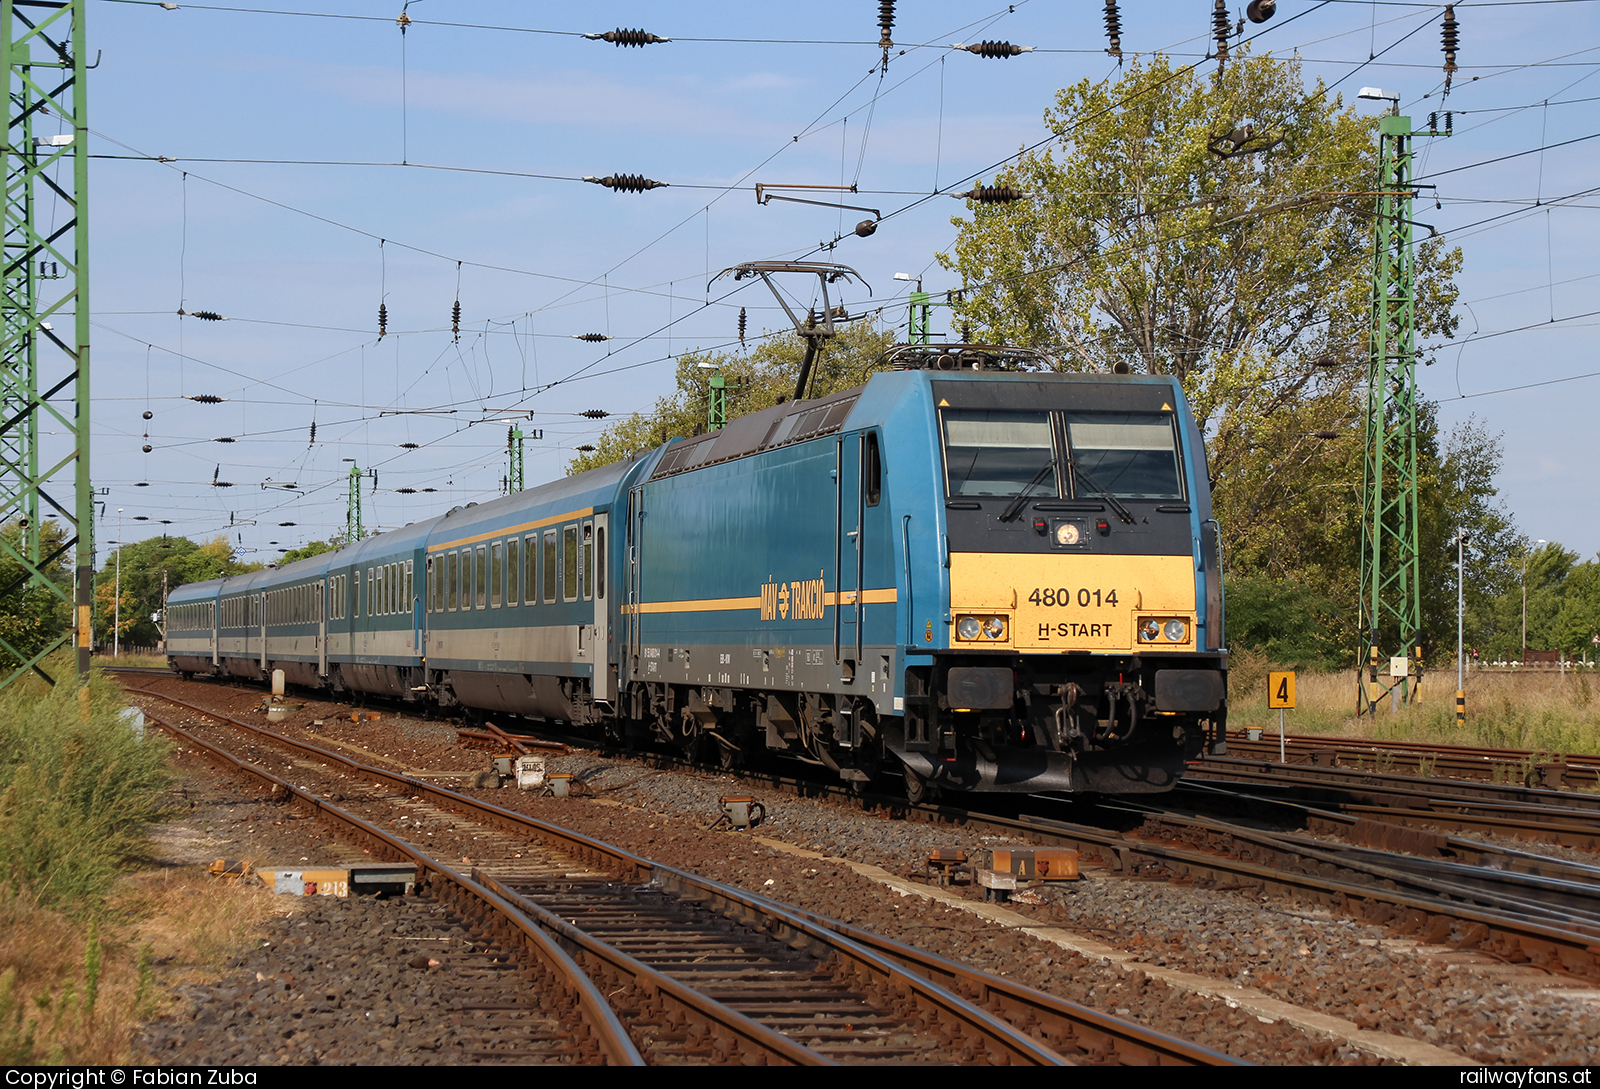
(499, 118)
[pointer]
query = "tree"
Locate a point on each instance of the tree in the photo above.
(32, 616)
(1237, 275)
(143, 565)
(311, 548)
(763, 377)
(1216, 229)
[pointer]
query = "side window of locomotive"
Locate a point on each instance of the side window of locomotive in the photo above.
(480, 572)
(872, 471)
(587, 575)
(496, 573)
(1133, 455)
(569, 563)
(530, 569)
(512, 570)
(990, 452)
(549, 566)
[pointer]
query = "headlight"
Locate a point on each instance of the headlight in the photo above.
(994, 627)
(968, 627)
(1149, 630)
(1067, 534)
(1176, 630)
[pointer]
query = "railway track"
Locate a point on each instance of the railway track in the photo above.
(704, 973)
(1542, 769)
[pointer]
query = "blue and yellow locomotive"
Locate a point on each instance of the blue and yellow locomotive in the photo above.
(971, 571)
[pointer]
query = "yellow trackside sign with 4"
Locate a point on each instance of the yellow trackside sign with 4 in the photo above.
(1280, 691)
(1060, 602)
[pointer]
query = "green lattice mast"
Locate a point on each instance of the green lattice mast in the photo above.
(44, 327)
(1391, 599)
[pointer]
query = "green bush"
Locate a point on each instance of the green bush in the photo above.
(78, 789)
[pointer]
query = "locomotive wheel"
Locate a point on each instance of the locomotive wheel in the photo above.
(916, 787)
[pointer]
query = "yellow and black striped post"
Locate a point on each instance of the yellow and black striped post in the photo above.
(1461, 709)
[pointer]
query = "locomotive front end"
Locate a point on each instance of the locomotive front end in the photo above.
(1081, 649)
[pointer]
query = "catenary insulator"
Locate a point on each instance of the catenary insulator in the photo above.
(595, 338)
(992, 194)
(312, 441)
(286, 523)
(410, 446)
(1114, 29)
(406, 491)
(225, 438)
(741, 325)
(148, 414)
(586, 448)
(1221, 28)
(207, 398)
(1324, 434)
(1450, 40)
(885, 24)
(1260, 11)
(621, 37)
(994, 49)
(206, 315)
(455, 319)
(627, 183)
(383, 320)
(594, 413)
(867, 227)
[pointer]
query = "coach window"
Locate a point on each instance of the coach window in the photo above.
(549, 566)
(410, 584)
(588, 561)
(496, 573)
(371, 607)
(569, 563)
(451, 580)
(512, 571)
(432, 586)
(480, 572)
(530, 569)
(600, 561)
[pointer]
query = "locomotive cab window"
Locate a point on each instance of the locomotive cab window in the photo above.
(990, 452)
(871, 470)
(1132, 455)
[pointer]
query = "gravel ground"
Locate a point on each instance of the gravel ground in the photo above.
(1464, 1002)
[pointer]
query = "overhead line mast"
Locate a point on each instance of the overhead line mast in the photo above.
(44, 281)
(1391, 584)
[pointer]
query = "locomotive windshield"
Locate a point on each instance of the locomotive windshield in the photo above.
(992, 452)
(998, 453)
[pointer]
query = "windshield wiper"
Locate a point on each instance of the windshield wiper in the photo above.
(1094, 486)
(1022, 497)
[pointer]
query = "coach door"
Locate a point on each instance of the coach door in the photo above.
(324, 590)
(602, 611)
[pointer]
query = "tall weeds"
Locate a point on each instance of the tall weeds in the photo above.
(78, 789)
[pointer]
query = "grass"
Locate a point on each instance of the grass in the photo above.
(90, 937)
(1541, 712)
(126, 659)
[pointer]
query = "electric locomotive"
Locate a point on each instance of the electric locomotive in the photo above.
(973, 571)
